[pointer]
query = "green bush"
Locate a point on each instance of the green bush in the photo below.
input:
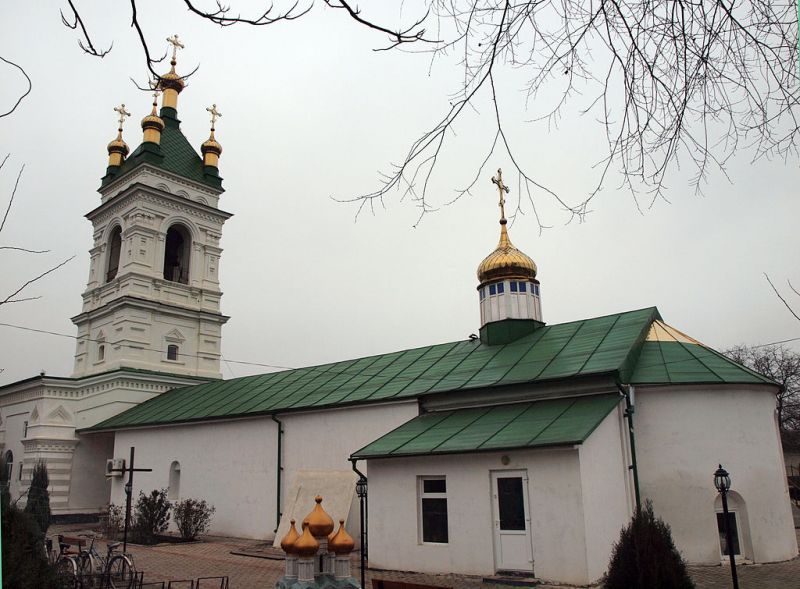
(114, 522)
(645, 556)
(151, 515)
(38, 505)
(193, 517)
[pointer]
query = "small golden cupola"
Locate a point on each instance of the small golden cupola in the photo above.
(508, 289)
(320, 524)
(211, 149)
(342, 542)
(288, 541)
(171, 83)
(152, 124)
(118, 150)
(306, 545)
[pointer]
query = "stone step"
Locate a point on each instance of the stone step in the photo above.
(512, 579)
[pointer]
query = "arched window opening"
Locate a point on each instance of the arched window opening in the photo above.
(9, 464)
(101, 352)
(172, 352)
(740, 529)
(114, 248)
(174, 490)
(176, 255)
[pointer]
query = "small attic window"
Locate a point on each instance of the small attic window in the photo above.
(172, 352)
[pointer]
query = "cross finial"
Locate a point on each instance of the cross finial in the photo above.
(122, 114)
(502, 189)
(215, 114)
(155, 88)
(173, 40)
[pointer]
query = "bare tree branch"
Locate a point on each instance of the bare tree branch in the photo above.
(13, 194)
(783, 300)
(77, 21)
(24, 94)
(10, 298)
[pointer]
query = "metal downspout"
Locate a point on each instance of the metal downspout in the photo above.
(629, 411)
(361, 490)
(279, 472)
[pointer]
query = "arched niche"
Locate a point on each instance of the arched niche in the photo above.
(114, 250)
(740, 526)
(177, 252)
(174, 489)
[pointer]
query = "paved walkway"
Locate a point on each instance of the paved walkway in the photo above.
(212, 557)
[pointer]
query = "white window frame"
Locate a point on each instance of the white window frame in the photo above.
(421, 494)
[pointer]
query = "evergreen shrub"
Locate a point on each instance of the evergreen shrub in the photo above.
(38, 505)
(645, 556)
(193, 517)
(151, 515)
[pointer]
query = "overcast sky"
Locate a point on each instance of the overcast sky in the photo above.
(311, 113)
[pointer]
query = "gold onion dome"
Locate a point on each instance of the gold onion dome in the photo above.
(211, 144)
(506, 261)
(342, 542)
(171, 80)
(319, 523)
(287, 544)
(153, 121)
(306, 545)
(118, 145)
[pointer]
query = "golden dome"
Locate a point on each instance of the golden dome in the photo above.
(306, 545)
(342, 542)
(506, 261)
(153, 121)
(287, 544)
(211, 144)
(319, 523)
(118, 145)
(171, 80)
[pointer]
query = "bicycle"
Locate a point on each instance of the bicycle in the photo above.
(117, 568)
(67, 562)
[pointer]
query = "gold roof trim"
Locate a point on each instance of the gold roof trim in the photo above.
(661, 332)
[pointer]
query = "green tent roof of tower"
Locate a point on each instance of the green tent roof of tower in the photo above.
(174, 154)
(619, 346)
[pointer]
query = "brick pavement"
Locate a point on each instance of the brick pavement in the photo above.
(212, 557)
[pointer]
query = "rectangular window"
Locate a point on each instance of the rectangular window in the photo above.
(492, 289)
(433, 509)
(500, 288)
(513, 286)
(483, 294)
(20, 472)
(723, 541)
(535, 289)
(24, 429)
(511, 503)
(523, 287)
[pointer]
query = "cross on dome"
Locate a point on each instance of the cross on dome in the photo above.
(215, 114)
(501, 188)
(173, 40)
(122, 114)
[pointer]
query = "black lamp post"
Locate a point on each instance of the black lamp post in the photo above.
(722, 481)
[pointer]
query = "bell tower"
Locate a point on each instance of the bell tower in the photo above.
(152, 301)
(508, 290)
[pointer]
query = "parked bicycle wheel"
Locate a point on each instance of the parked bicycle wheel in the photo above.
(120, 572)
(88, 567)
(67, 571)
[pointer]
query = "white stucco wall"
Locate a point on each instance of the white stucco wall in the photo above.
(89, 489)
(682, 434)
(607, 504)
(232, 464)
(556, 512)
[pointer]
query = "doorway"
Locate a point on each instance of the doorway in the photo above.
(513, 549)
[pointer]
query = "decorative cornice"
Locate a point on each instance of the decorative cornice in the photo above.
(164, 175)
(152, 305)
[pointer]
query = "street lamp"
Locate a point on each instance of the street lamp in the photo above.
(722, 481)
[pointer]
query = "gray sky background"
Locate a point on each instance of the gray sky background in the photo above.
(310, 112)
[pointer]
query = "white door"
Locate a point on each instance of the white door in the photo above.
(513, 549)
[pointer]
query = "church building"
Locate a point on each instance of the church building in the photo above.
(526, 448)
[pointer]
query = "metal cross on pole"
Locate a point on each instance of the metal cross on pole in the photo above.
(128, 492)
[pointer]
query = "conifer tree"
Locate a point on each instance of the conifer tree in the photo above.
(38, 504)
(645, 556)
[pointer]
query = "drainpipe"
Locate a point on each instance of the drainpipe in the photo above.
(361, 491)
(278, 471)
(629, 411)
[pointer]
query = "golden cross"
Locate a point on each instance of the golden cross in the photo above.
(155, 88)
(173, 40)
(215, 114)
(501, 188)
(122, 114)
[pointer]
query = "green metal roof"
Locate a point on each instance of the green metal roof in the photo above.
(555, 422)
(179, 157)
(611, 346)
(602, 345)
(676, 362)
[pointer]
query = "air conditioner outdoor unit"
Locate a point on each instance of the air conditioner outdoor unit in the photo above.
(114, 467)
